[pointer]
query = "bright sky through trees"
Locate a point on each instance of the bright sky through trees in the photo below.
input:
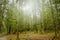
(29, 7)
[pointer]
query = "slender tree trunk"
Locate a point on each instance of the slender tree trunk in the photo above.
(17, 32)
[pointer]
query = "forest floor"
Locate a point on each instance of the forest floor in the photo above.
(29, 36)
(3, 38)
(32, 36)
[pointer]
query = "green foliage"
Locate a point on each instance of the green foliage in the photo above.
(15, 19)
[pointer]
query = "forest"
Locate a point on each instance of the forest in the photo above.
(29, 19)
